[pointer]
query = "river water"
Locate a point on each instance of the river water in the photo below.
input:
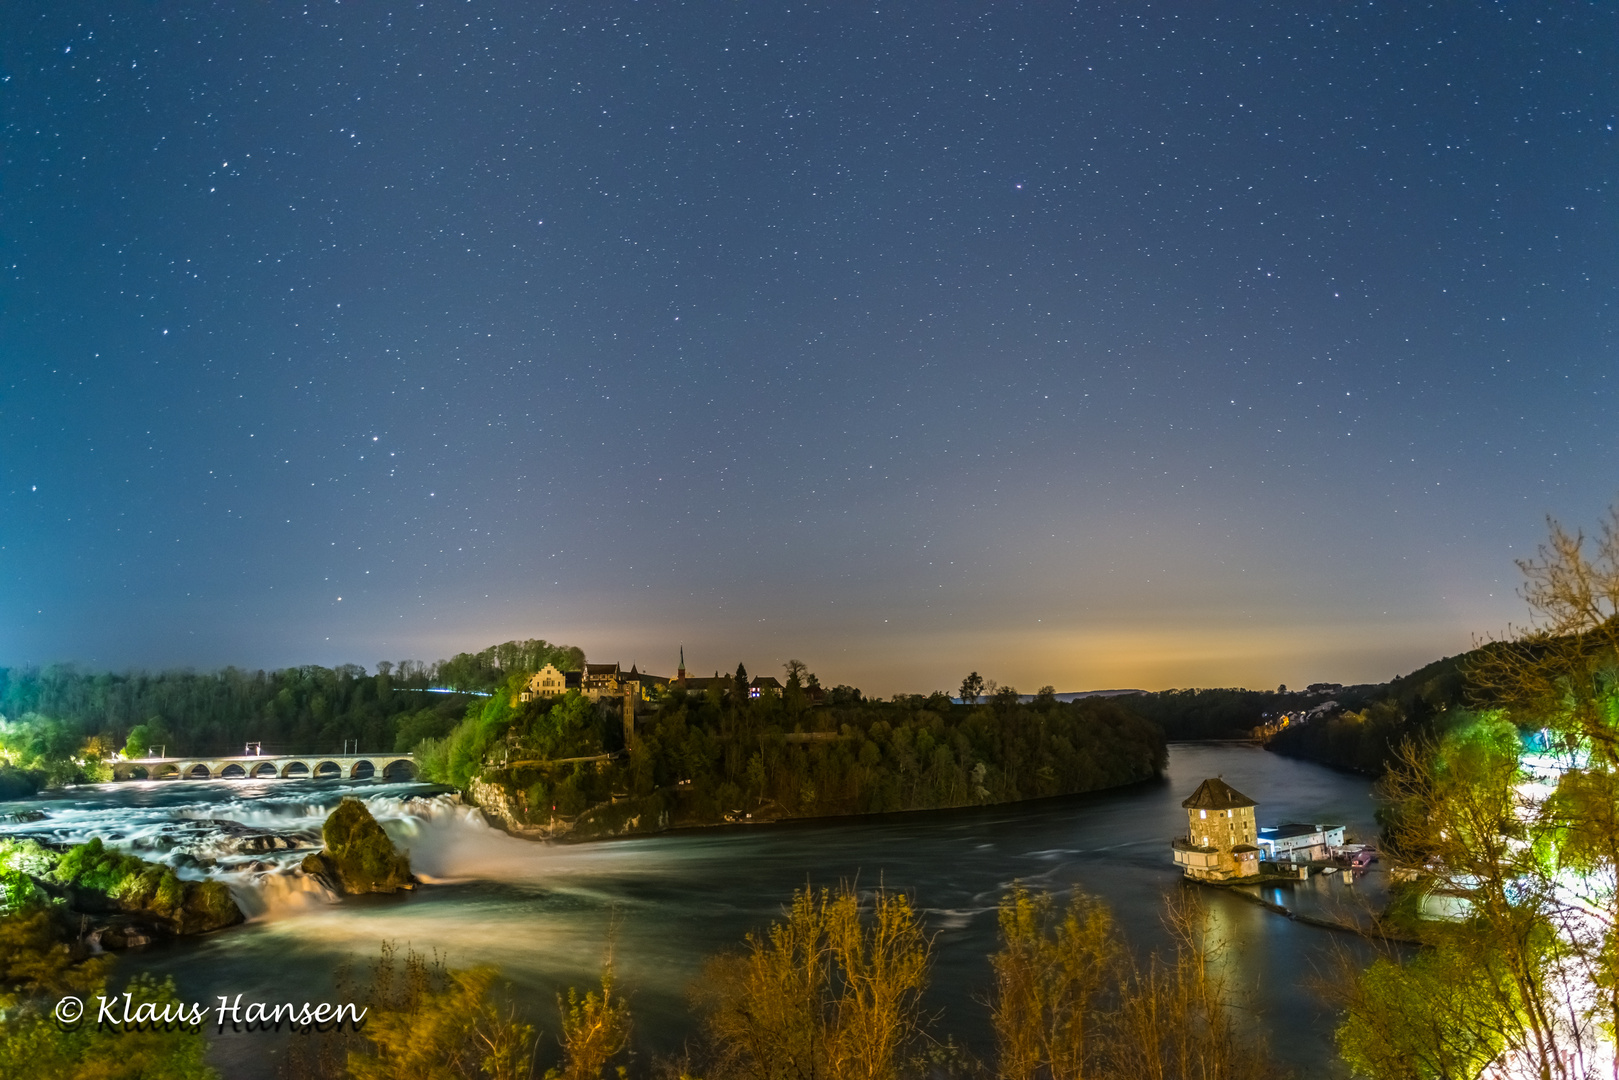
(542, 912)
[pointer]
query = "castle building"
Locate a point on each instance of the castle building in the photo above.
(545, 683)
(598, 682)
(760, 686)
(1221, 835)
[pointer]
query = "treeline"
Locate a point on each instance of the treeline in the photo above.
(1231, 712)
(56, 722)
(704, 758)
(1349, 727)
(1367, 733)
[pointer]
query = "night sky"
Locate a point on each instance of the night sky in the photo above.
(1095, 345)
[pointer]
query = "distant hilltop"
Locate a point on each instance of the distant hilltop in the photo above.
(1072, 695)
(1077, 694)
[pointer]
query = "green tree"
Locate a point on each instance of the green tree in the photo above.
(37, 967)
(1526, 861)
(833, 990)
(792, 694)
(972, 688)
(595, 1029)
(1435, 1016)
(1053, 980)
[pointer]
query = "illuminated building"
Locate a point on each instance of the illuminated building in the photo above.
(1219, 844)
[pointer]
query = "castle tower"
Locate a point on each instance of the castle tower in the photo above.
(1220, 841)
(629, 714)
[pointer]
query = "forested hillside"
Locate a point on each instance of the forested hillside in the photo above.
(700, 759)
(55, 722)
(1231, 712)
(1366, 733)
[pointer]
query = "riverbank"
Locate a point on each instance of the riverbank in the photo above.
(495, 805)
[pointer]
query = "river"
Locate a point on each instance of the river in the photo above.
(542, 912)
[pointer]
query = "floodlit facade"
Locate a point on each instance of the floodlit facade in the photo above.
(1221, 835)
(547, 682)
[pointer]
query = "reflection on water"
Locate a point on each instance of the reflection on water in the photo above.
(542, 912)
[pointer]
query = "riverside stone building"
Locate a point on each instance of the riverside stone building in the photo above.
(1221, 834)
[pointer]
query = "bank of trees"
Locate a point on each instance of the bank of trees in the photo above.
(56, 722)
(1372, 722)
(1508, 827)
(703, 758)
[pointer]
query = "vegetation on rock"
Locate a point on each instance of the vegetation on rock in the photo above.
(96, 880)
(358, 857)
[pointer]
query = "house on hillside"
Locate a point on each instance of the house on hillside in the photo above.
(546, 683)
(760, 686)
(1221, 841)
(596, 682)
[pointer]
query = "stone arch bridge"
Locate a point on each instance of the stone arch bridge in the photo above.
(269, 767)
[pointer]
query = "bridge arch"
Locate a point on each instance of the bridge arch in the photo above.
(395, 767)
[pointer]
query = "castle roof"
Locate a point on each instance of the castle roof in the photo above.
(1216, 794)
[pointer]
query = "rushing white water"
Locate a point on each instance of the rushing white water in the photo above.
(253, 835)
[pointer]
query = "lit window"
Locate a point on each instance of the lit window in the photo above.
(1202, 813)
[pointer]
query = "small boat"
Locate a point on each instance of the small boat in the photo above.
(1330, 870)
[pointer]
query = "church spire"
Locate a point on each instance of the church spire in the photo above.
(682, 675)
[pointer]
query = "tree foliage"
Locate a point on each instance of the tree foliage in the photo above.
(428, 1020)
(37, 967)
(1508, 830)
(703, 758)
(833, 990)
(64, 721)
(1072, 1003)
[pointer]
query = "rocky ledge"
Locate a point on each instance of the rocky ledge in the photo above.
(116, 899)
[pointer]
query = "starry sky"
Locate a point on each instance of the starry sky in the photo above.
(1129, 344)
